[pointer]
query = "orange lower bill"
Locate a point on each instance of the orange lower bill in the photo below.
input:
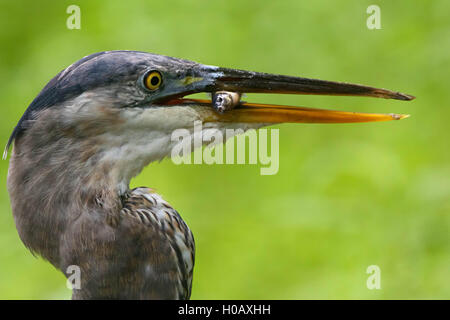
(269, 113)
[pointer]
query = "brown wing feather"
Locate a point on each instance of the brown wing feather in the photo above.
(148, 253)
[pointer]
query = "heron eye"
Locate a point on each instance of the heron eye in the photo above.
(153, 80)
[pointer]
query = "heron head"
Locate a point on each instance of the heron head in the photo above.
(120, 108)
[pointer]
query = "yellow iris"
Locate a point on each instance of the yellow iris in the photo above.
(153, 80)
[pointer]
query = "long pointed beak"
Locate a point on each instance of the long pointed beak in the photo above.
(255, 82)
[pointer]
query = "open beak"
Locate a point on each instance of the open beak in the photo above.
(223, 79)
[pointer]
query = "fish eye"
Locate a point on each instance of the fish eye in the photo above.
(153, 80)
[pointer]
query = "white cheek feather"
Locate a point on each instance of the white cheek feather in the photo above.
(145, 135)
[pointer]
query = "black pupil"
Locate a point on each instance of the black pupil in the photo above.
(154, 80)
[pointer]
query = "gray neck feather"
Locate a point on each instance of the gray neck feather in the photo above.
(55, 176)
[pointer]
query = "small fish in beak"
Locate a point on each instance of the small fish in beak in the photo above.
(225, 100)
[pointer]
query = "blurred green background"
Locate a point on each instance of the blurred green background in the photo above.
(345, 197)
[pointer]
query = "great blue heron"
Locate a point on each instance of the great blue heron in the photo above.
(96, 125)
